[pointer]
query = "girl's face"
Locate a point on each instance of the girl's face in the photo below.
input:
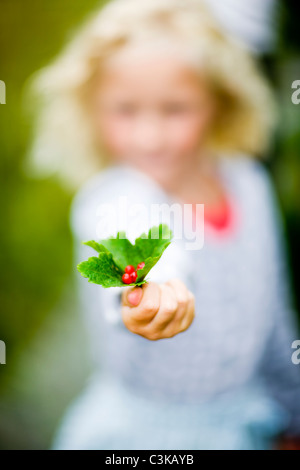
(153, 111)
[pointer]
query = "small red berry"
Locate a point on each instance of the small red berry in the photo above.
(129, 269)
(126, 278)
(133, 276)
(140, 265)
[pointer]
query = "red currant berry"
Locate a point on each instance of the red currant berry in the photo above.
(129, 269)
(133, 276)
(126, 278)
(140, 265)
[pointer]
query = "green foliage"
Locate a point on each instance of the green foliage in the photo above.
(35, 240)
(115, 253)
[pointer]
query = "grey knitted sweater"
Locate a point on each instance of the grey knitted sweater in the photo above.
(244, 325)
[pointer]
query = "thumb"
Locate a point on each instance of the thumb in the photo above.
(134, 296)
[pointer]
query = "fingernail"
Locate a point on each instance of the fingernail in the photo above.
(135, 296)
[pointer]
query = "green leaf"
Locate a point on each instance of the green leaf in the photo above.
(96, 246)
(115, 253)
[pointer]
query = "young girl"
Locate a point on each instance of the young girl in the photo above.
(152, 102)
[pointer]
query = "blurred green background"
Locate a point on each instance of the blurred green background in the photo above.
(47, 358)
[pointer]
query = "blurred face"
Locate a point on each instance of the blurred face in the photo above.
(152, 111)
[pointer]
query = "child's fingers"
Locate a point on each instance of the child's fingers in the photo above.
(184, 315)
(162, 311)
(134, 296)
(167, 310)
(190, 313)
(182, 296)
(131, 296)
(147, 307)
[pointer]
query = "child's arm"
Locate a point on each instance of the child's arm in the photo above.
(107, 302)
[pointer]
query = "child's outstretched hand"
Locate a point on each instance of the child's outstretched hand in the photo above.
(157, 311)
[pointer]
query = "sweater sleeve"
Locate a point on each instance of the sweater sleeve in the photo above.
(280, 374)
(97, 211)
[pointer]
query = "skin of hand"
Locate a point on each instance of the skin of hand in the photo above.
(158, 311)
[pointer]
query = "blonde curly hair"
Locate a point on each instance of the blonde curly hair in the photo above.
(63, 141)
